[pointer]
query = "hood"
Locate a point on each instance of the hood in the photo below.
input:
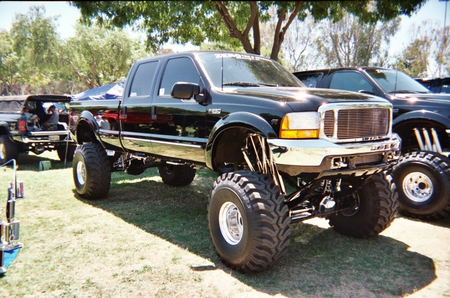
(440, 98)
(306, 98)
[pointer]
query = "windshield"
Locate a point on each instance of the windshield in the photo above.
(246, 71)
(394, 81)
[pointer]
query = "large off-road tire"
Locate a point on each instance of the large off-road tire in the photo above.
(423, 184)
(8, 150)
(248, 220)
(175, 175)
(91, 171)
(66, 152)
(374, 210)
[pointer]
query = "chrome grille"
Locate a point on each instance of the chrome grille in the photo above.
(329, 123)
(356, 123)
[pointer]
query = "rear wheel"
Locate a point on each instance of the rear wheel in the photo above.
(91, 171)
(248, 221)
(176, 175)
(8, 150)
(423, 181)
(375, 207)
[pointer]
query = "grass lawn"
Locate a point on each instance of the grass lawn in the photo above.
(147, 239)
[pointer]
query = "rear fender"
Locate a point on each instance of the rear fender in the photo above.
(86, 128)
(234, 128)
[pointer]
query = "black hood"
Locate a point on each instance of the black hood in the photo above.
(429, 97)
(307, 98)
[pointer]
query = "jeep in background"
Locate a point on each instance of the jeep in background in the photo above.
(421, 118)
(18, 136)
(436, 85)
(253, 122)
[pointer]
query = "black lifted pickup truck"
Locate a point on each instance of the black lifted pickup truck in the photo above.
(421, 119)
(18, 135)
(259, 127)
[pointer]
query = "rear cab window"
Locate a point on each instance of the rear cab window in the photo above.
(310, 80)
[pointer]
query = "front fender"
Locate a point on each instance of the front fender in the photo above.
(422, 115)
(243, 120)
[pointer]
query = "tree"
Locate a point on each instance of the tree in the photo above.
(228, 21)
(299, 45)
(33, 42)
(442, 50)
(98, 56)
(349, 42)
(33, 59)
(9, 71)
(428, 51)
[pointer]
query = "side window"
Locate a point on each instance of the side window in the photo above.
(142, 80)
(445, 86)
(310, 80)
(178, 70)
(351, 81)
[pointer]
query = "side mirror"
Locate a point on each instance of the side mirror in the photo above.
(185, 90)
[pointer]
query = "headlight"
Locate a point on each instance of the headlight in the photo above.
(300, 126)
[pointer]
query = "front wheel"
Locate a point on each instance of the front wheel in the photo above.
(248, 221)
(423, 181)
(374, 209)
(91, 171)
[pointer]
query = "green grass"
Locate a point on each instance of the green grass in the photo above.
(145, 238)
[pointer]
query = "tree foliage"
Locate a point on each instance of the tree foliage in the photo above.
(29, 51)
(9, 61)
(33, 58)
(228, 21)
(98, 56)
(428, 51)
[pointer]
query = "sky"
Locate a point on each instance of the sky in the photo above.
(433, 10)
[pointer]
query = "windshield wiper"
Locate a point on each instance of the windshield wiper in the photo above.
(242, 84)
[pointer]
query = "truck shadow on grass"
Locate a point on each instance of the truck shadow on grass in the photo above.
(30, 162)
(320, 262)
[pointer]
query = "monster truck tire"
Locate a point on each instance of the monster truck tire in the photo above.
(91, 171)
(423, 183)
(8, 150)
(62, 150)
(375, 208)
(248, 221)
(175, 175)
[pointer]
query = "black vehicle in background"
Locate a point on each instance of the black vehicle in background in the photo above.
(421, 118)
(436, 85)
(17, 135)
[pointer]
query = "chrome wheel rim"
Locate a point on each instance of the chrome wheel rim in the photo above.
(81, 173)
(2, 151)
(231, 223)
(418, 187)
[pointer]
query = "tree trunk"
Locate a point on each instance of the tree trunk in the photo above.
(280, 31)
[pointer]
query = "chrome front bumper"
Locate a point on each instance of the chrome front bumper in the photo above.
(316, 156)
